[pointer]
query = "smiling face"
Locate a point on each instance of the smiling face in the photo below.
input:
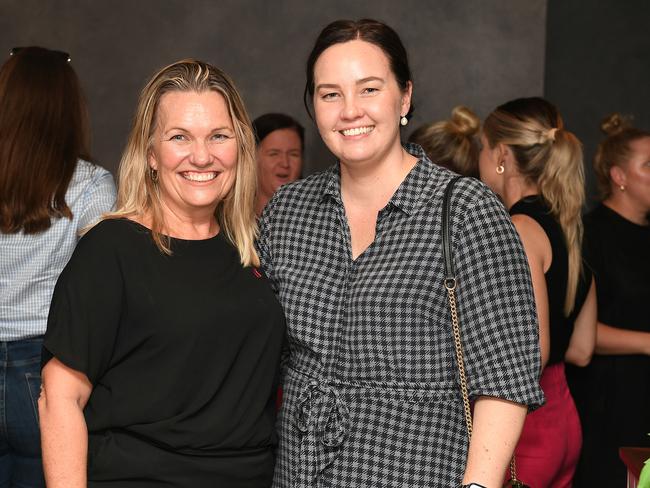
(358, 102)
(279, 158)
(194, 151)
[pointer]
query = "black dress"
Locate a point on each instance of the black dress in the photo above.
(613, 392)
(182, 352)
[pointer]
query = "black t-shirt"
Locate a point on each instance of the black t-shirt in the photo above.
(182, 352)
(613, 392)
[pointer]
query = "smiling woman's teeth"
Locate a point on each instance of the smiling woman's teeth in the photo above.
(357, 131)
(204, 176)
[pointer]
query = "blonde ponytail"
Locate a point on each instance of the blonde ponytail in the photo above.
(550, 157)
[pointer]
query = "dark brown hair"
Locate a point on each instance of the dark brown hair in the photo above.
(615, 149)
(267, 123)
(43, 131)
(367, 30)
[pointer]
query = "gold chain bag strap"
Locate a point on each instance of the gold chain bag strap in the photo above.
(450, 286)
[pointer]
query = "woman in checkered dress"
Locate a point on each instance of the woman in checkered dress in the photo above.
(369, 377)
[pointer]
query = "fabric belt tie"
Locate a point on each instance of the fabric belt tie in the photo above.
(323, 421)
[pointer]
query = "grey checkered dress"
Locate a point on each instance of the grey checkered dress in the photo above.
(370, 391)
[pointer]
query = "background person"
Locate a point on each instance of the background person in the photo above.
(48, 193)
(452, 143)
(280, 147)
(370, 393)
(613, 393)
(163, 338)
(535, 166)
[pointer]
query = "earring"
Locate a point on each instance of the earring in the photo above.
(403, 121)
(622, 187)
(153, 174)
(500, 169)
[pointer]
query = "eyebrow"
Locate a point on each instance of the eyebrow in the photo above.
(216, 129)
(358, 82)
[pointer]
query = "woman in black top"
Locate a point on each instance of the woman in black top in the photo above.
(535, 165)
(163, 338)
(613, 393)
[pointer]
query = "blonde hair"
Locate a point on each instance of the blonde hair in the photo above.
(551, 157)
(138, 194)
(452, 143)
(615, 149)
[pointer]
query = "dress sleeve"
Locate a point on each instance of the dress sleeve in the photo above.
(99, 197)
(497, 313)
(264, 242)
(86, 307)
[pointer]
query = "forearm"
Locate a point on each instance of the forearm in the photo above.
(612, 340)
(497, 426)
(583, 339)
(64, 440)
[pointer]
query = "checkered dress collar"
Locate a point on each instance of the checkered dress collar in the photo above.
(406, 198)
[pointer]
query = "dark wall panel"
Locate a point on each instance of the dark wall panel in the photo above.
(475, 52)
(598, 62)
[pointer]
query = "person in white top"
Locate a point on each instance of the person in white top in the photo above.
(49, 193)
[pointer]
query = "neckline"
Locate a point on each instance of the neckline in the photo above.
(614, 213)
(177, 239)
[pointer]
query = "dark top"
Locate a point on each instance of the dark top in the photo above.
(182, 352)
(370, 391)
(560, 326)
(613, 392)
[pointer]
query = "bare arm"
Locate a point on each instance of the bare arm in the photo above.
(612, 340)
(583, 339)
(539, 255)
(64, 436)
(497, 426)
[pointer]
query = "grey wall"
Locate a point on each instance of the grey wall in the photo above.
(598, 62)
(475, 52)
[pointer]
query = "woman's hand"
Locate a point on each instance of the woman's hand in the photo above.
(64, 436)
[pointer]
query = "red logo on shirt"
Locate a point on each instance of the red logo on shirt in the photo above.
(257, 273)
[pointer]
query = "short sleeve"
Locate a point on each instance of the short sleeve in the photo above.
(86, 306)
(99, 197)
(497, 313)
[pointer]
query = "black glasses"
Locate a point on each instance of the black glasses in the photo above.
(62, 54)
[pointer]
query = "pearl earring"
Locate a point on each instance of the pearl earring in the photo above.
(403, 121)
(622, 188)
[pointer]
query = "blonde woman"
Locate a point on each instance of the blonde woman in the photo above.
(535, 165)
(613, 394)
(163, 337)
(452, 143)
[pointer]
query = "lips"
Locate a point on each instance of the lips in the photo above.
(199, 175)
(357, 131)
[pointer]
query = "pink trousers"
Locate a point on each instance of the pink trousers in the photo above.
(549, 446)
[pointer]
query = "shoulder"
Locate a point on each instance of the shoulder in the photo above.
(473, 200)
(113, 234)
(303, 196)
(89, 178)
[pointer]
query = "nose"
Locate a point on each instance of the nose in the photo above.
(284, 160)
(351, 109)
(200, 154)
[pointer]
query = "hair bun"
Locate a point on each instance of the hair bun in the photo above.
(463, 121)
(614, 124)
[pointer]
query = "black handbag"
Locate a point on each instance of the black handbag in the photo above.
(450, 285)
